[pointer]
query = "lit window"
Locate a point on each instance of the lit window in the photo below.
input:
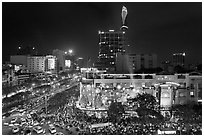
(192, 93)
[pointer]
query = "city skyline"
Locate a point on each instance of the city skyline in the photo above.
(160, 28)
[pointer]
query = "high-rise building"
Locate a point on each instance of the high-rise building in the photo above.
(51, 64)
(179, 59)
(79, 63)
(36, 63)
(167, 66)
(70, 61)
(134, 62)
(18, 60)
(60, 59)
(110, 43)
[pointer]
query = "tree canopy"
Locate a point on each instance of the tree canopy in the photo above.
(115, 111)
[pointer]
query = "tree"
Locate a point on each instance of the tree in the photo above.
(146, 106)
(115, 111)
(186, 111)
(145, 100)
(179, 69)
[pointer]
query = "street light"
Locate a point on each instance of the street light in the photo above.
(70, 51)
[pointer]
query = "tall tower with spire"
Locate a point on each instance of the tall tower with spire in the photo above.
(124, 18)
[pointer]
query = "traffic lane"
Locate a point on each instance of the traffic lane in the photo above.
(7, 130)
(46, 126)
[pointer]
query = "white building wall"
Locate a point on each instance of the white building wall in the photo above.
(36, 64)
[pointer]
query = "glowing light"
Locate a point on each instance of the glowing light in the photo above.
(88, 87)
(173, 83)
(184, 54)
(119, 87)
(68, 63)
(51, 63)
(169, 87)
(19, 47)
(192, 93)
(33, 48)
(70, 51)
(65, 52)
(98, 90)
(124, 14)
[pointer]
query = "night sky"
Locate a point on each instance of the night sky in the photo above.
(160, 28)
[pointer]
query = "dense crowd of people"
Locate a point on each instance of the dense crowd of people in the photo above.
(62, 112)
(73, 117)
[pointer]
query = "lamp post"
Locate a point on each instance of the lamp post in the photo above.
(46, 105)
(70, 51)
(159, 94)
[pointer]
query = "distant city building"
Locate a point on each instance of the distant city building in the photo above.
(167, 66)
(178, 59)
(36, 63)
(8, 75)
(110, 43)
(134, 62)
(18, 60)
(70, 61)
(60, 59)
(51, 64)
(79, 63)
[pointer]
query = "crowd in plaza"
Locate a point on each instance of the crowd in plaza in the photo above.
(68, 117)
(63, 114)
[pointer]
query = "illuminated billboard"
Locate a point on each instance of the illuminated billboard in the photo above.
(68, 63)
(166, 99)
(51, 63)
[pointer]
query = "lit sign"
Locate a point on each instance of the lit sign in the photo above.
(68, 63)
(51, 63)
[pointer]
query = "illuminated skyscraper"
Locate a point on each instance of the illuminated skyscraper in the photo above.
(179, 59)
(110, 43)
(124, 18)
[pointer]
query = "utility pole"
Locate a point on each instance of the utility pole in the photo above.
(46, 105)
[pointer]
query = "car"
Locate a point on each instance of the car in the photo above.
(36, 123)
(38, 129)
(11, 125)
(52, 129)
(22, 110)
(16, 124)
(57, 124)
(6, 124)
(13, 120)
(15, 129)
(59, 133)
